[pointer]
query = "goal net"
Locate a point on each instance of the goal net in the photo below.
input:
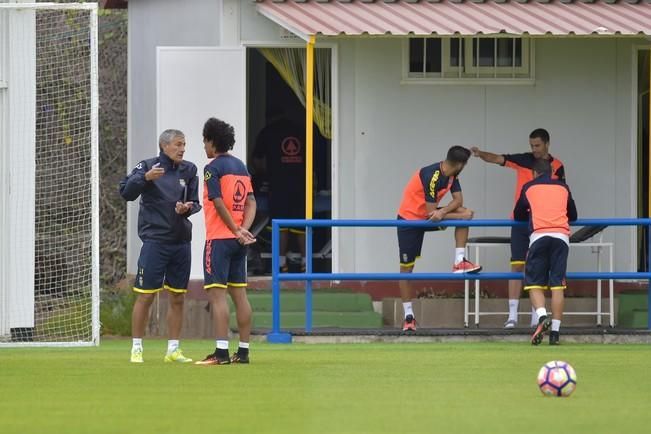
(49, 278)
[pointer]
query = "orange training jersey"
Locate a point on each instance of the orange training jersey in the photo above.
(225, 177)
(428, 184)
(523, 163)
(547, 204)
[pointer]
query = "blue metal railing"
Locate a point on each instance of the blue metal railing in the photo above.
(277, 336)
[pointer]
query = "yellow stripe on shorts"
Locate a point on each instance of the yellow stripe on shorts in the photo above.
(175, 290)
(147, 291)
(528, 287)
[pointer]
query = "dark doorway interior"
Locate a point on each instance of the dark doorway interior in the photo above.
(271, 99)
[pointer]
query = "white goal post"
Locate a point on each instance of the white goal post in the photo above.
(49, 175)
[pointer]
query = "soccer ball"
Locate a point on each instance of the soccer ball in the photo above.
(557, 378)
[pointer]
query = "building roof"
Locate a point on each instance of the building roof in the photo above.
(470, 17)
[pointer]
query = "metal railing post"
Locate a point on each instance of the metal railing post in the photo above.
(308, 282)
(276, 336)
(649, 271)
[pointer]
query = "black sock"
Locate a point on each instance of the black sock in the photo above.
(222, 354)
(243, 352)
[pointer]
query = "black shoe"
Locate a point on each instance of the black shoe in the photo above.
(214, 359)
(410, 324)
(544, 323)
(240, 358)
(554, 338)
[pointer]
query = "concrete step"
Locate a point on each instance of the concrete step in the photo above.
(350, 320)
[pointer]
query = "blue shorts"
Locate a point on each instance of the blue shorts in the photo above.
(224, 264)
(410, 243)
(519, 244)
(546, 264)
(163, 265)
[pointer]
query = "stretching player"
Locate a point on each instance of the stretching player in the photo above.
(420, 201)
(549, 207)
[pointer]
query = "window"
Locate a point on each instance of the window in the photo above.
(468, 59)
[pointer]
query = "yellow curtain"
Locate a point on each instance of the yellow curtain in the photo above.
(290, 64)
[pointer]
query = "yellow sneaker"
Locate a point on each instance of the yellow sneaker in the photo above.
(177, 356)
(136, 355)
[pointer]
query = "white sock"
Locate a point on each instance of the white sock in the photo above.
(541, 311)
(136, 343)
(408, 309)
(243, 345)
(513, 309)
(556, 325)
(534, 316)
(172, 345)
(222, 344)
(459, 254)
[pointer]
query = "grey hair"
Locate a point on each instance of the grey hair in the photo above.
(167, 136)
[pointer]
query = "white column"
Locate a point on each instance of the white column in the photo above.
(4, 228)
(230, 23)
(20, 153)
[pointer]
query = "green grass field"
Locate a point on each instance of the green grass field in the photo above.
(299, 388)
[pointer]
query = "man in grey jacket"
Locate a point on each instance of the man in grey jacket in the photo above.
(168, 190)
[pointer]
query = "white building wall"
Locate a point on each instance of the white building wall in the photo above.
(154, 23)
(257, 28)
(582, 95)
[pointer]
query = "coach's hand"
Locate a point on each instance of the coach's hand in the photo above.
(154, 173)
(182, 208)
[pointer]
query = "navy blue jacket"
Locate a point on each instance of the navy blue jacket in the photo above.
(157, 218)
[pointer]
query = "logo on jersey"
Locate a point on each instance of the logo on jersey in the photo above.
(182, 182)
(291, 149)
(139, 166)
(207, 175)
(432, 184)
(239, 193)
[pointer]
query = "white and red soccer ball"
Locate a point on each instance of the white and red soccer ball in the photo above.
(557, 378)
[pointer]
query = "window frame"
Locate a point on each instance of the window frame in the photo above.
(495, 70)
(480, 75)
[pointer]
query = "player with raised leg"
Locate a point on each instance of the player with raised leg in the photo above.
(420, 201)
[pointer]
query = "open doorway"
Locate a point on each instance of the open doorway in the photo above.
(276, 154)
(643, 85)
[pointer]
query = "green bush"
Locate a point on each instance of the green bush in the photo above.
(115, 312)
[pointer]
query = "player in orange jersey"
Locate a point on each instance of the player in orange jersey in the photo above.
(229, 207)
(420, 201)
(522, 164)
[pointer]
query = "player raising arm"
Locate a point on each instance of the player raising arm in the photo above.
(522, 164)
